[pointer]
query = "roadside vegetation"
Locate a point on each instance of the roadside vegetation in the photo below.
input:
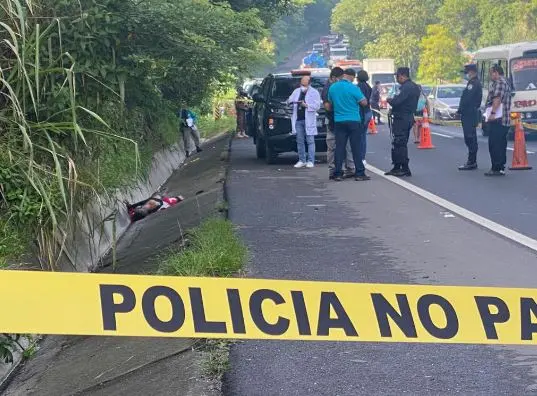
(436, 36)
(89, 94)
(212, 249)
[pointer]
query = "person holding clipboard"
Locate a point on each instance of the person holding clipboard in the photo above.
(497, 116)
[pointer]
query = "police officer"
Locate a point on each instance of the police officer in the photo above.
(404, 106)
(469, 110)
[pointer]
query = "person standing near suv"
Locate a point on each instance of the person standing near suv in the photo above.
(306, 101)
(336, 74)
(345, 99)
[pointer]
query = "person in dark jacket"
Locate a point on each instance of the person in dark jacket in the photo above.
(366, 112)
(469, 110)
(404, 105)
(375, 102)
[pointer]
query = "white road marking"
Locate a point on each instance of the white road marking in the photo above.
(527, 151)
(441, 134)
(309, 196)
(283, 178)
(469, 215)
(461, 136)
(445, 130)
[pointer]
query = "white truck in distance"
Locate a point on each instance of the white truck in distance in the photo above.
(380, 70)
(338, 52)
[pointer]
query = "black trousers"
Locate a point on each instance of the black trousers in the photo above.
(344, 131)
(469, 128)
(401, 131)
(498, 145)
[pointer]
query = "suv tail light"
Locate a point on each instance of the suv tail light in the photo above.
(271, 123)
(301, 72)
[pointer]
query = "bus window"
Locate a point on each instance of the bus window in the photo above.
(485, 73)
(503, 64)
(524, 73)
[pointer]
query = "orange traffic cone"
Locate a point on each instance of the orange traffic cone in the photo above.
(520, 156)
(372, 129)
(426, 141)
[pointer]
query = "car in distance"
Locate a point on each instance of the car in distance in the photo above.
(271, 129)
(444, 101)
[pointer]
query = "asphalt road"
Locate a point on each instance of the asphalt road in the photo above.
(298, 225)
(510, 201)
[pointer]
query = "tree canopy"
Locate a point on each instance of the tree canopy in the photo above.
(381, 28)
(440, 55)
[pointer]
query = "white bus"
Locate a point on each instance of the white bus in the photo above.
(519, 62)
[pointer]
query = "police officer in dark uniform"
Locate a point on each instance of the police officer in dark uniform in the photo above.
(404, 106)
(469, 110)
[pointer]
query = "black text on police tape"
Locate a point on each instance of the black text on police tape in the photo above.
(331, 314)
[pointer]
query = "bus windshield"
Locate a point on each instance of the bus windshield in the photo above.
(524, 73)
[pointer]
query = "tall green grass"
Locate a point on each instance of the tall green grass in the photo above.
(210, 127)
(213, 249)
(39, 179)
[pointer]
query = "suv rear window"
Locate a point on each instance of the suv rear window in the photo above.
(284, 87)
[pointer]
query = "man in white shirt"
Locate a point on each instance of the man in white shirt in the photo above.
(306, 101)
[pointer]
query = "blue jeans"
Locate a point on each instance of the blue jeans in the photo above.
(301, 140)
(344, 131)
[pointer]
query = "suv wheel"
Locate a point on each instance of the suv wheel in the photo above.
(260, 148)
(270, 154)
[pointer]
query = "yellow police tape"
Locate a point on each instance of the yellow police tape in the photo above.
(119, 305)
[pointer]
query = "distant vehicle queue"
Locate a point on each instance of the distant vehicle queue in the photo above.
(519, 62)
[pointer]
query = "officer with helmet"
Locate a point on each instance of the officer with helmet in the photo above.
(469, 106)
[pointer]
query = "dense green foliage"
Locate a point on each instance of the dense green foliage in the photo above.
(89, 93)
(441, 58)
(434, 33)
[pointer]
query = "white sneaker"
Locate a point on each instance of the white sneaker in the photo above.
(300, 164)
(309, 164)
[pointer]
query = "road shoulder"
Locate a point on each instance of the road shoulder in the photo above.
(117, 365)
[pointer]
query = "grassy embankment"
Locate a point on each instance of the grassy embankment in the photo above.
(212, 249)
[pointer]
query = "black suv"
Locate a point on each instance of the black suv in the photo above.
(270, 125)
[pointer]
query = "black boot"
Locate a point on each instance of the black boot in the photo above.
(404, 172)
(468, 166)
(393, 171)
(198, 149)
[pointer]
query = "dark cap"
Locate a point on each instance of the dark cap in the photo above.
(363, 76)
(350, 72)
(497, 68)
(470, 67)
(403, 71)
(337, 72)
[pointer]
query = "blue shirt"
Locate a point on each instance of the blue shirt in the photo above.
(345, 96)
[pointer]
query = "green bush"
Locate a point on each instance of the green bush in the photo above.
(213, 250)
